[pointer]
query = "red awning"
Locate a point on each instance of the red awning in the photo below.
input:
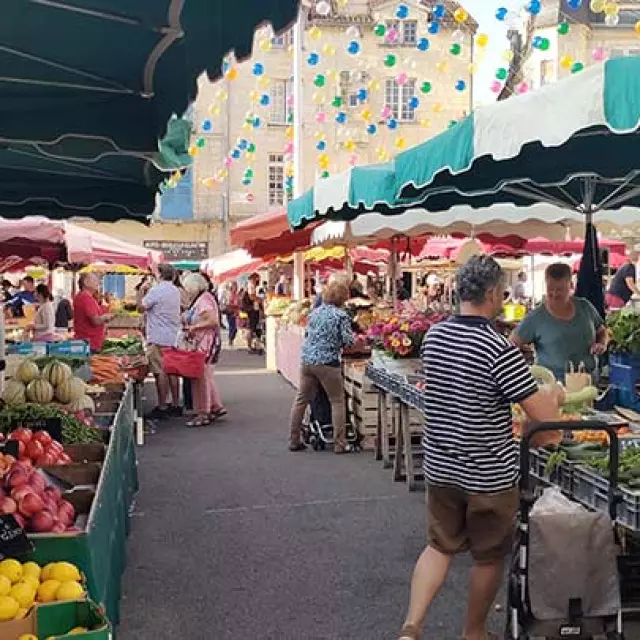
(568, 247)
(262, 226)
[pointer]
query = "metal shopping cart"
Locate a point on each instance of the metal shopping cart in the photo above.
(563, 577)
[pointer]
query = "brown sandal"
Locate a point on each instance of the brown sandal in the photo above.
(409, 632)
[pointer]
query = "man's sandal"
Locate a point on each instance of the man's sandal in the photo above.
(409, 632)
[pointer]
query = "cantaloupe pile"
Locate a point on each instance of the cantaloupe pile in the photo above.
(55, 383)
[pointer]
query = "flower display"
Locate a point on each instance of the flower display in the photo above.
(400, 334)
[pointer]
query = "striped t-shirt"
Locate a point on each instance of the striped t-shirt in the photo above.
(472, 375)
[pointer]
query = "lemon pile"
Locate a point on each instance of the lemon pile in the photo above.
(23, 585)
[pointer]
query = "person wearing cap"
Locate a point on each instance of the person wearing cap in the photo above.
(161, 305)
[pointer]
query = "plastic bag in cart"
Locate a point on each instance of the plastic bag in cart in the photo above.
(553, 501)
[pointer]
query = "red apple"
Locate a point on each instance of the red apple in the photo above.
(66, 512)
(8, 505)
(38, 483)
(53, 494)
(26, 462)
(20, 492)
(42, 522)
(30, 505)
(43, 437)
(17, 477)
(34, 450)
(54, 445)
(45, 460)
(65, 458)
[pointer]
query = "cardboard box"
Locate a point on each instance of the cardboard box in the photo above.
(55, 620)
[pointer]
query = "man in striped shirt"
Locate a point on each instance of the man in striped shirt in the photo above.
(473, 374)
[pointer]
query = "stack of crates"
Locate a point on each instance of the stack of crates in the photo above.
(624, 376)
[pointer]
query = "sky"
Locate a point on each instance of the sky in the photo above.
(484, 12)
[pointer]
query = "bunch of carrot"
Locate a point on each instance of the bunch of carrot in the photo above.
(106, 370)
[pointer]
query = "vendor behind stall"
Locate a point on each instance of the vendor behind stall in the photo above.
(565, 330)
(90, 318)
(623, 285)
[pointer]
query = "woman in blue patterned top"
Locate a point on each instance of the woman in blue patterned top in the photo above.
(328, 331)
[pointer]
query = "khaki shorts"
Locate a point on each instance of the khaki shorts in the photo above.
(480, 523)
(154, 356)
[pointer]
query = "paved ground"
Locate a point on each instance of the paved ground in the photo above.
(234, 537)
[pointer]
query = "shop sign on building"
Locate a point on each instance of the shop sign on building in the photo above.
(176, 251)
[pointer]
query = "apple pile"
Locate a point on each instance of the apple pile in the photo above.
(39, 448)
(38, 507)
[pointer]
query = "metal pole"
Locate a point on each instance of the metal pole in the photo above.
(298, 111)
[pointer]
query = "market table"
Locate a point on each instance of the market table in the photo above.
(397, 397)
(100, 551)
(288, 347)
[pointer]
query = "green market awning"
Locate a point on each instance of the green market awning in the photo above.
(117, 69)
(87, 90)
(345, 195)
(574, 144)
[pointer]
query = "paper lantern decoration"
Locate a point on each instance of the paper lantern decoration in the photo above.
(597, 6)
(362, 95)
(425, 123)
(265, 44)
(353, 48)
(402, 78)
(366, 115)
(313, 59)
(386, 112)
(328, 49)
(566, 62)
(523, 87)
(455, 49)
(392, 124)
(379, 30)
(423, 44)
(434, 28)
(315, 33)
(324, 175)
(353, 33)
(441, 66)
(501, 74)
(193, 151)
(390, 60)
(501, 14)
(482, 40)
(426, 87)
(392, 36)
(319, 80)
(439, 11)
(577, 67)
(318, 97)
(336, 102)
(460, 85)
(341, 117)
(402, 12)
(372, 129)
(321, 145)
(349, 145)
(574, 4)
(264, 82)
(323, 8)
(243, 144)
(321, 117)
(265, 99)
(563, 28)
(207, 125)
(496, 86)
(533, 7)
(400, 142)
(413, 102)
(636, 27)
(231, 74)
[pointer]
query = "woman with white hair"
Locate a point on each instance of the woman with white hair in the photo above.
(202, 321)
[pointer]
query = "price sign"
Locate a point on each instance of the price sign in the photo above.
(13, 539)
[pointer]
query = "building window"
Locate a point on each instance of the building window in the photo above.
(280, 109)
(407, 31)
(276, 180)
(398, 96)
(546, 72)
(283, 41)
(349, 86)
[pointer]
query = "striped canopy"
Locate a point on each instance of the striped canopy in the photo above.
(573, 144)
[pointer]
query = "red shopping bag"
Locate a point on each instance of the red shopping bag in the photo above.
(183, 363)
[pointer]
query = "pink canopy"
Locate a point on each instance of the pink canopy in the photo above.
(40, 240)
(568, 247)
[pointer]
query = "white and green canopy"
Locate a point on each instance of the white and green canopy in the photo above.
(573, 143)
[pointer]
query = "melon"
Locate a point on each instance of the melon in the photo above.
(40, 391)
(14, 393)
(85, 403)
(27, 371)
(71, 390)
(57, 373)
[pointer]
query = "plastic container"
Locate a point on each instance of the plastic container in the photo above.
(627, 398)
(78, 348)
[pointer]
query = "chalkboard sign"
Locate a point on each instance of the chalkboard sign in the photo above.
(13, 539)
(52, 425)
(10, 448)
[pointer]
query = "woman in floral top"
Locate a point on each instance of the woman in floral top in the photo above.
(328, 331)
